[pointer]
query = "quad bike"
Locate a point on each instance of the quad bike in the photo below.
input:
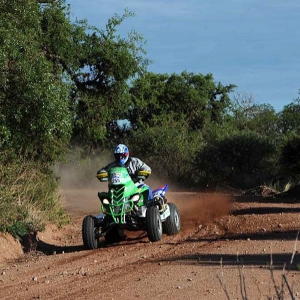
(129, 206)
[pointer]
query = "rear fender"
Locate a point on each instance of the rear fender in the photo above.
(161, 191)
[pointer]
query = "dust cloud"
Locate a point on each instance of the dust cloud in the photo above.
(200, 208)
(79, 188)
(78, 183)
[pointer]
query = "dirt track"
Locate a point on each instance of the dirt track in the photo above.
(224, 239)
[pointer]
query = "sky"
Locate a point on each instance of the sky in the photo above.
(254, 44)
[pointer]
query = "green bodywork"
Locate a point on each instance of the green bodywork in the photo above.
(121, 190)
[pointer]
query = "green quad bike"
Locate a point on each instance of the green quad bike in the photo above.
(129, 206)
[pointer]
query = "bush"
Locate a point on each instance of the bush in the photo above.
(28, 197)
(242, 160)
(169, 148)
(290, 156)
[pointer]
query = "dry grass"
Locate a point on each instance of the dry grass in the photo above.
(279, 288)
(28, 198)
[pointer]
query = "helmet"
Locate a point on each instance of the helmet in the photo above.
(121, 153)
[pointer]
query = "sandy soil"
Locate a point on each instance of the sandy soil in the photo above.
(230, 247)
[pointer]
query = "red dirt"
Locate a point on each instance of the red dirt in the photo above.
(234, 241)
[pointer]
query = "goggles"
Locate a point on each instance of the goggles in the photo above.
(121, 155)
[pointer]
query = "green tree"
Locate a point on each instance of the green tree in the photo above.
(259, 118)
(73, 76)
(194, 98)
(289, 118)
(169, 148)
(241, 160)
(99, 63)
(35, 121)
(34, 103)
(289, 125)
(57, 79)
(290, 156)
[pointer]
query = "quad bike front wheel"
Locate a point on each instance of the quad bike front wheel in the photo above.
(172, 224)
(154, 225)
(90, 231)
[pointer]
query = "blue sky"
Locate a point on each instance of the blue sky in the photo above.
(254, 44)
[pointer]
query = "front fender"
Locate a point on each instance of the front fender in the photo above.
(103, 195)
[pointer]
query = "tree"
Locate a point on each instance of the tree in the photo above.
(289, 118)
(72, 76)
(35, 121)
(259, 118)
(168, 147)
(34, 102)
(241, 160)
(290, 156)
(99, 64)
(195, 98)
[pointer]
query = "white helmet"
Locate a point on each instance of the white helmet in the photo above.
(121, 153)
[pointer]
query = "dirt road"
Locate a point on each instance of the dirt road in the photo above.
(230, 247)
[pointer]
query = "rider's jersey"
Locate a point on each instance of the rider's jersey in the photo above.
(133, 165)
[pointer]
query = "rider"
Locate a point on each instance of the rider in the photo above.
(132, 164)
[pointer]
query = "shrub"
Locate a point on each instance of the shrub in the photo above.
(241, 160)
(28, 197)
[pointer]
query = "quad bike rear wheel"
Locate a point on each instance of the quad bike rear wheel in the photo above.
(154, 225)
(172, 224)
(89, 232)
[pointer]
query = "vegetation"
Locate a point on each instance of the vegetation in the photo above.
(67, 84)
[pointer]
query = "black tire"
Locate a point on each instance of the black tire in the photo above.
(115, 235)
(154, 225)
(89, 232)
(172, 224)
